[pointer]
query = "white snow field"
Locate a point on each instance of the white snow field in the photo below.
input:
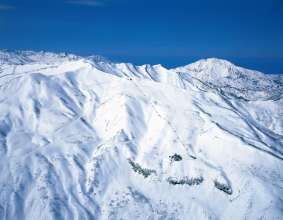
(86, 138)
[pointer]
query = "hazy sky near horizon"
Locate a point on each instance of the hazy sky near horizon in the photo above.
(249, 33)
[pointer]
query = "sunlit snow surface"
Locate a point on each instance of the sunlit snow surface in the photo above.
(84, 138)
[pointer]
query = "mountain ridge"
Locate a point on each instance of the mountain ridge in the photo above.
(25, 54)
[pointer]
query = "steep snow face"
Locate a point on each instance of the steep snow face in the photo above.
(84, 138)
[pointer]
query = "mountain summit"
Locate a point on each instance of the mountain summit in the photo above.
(87, 138)
(234, 80)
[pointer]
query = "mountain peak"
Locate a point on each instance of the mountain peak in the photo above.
(215, 68)
(215, 61)
(219, 66)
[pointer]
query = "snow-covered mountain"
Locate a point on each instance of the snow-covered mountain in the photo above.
(86, 138)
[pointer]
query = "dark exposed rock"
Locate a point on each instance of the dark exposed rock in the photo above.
(138, 169)
(223, 187)
(175, 157)
(185, 180)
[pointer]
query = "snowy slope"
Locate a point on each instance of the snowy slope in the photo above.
(85, 138)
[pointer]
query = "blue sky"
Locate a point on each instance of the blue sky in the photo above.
(175, 32)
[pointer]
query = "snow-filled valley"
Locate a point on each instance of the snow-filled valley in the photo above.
(86, 138)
